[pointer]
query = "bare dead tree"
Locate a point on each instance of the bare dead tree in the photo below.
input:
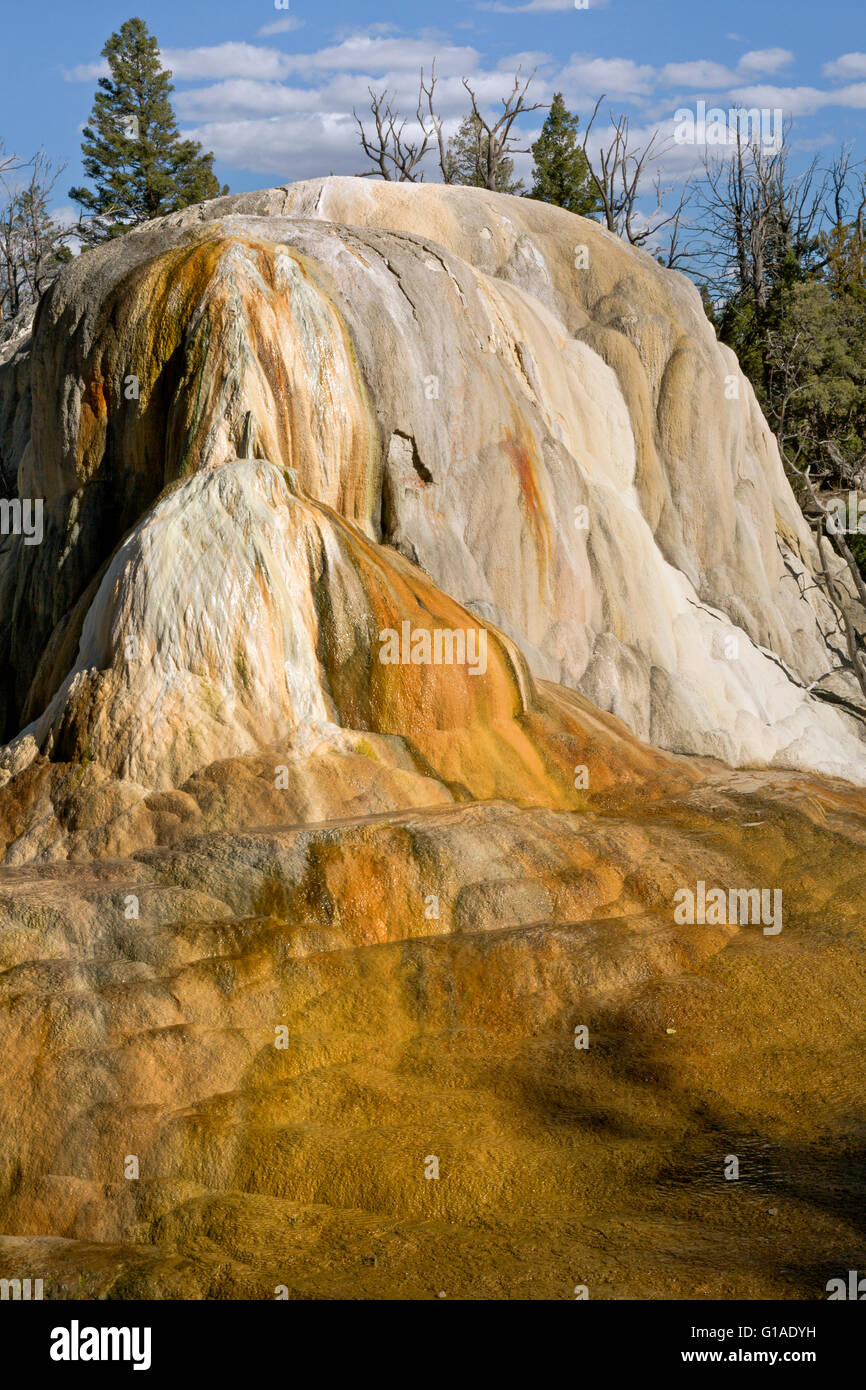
(799, 203)
(396, 158)
(619, 171)
(674, 255)
(32, 244)
(9, 292)
(755, 212)
(496, 142)
(839, 175)
(847, 183)
(436, 122)
(616, 172)
(8, 162)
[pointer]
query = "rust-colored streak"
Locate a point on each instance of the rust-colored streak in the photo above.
(523, 463)
(94, 415)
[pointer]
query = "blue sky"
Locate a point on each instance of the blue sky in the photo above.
(271, 90)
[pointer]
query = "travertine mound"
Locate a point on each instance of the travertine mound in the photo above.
(240, 619)
(337, 977)
(535, 414)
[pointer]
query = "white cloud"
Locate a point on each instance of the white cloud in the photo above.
(248, 99)
(853, 95)
(220, 60)
(801, 101)
(363, 53)
(527, 61)
(764, 60)
(536, 6)
(294, 147)
(702, 73)
(849, 65)
(243, 97)
(615, 76)
(280, 26)
(65, 215)
(87, 72)
(226, 60)
(794, 101)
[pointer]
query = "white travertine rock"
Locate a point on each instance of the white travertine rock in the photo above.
(566, 451)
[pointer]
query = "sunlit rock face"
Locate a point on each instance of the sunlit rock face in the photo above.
(296, 898)
(238, 616)
(535, 414)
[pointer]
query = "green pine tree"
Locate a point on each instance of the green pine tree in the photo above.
(561, 173)
(132, 149)
(466, 159)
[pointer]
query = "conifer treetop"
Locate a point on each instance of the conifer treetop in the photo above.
(132, 149)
